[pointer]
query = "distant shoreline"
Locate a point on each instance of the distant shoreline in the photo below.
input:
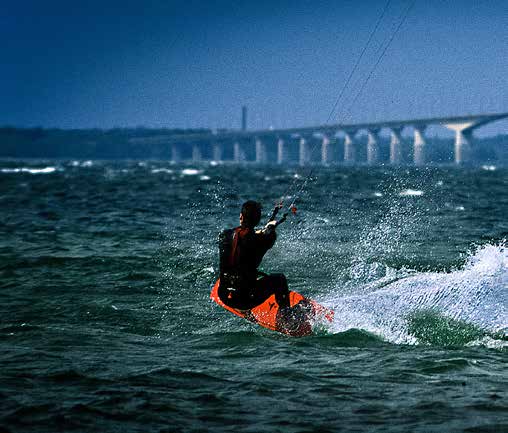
(153, 144)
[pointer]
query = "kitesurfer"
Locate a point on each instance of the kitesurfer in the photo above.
(241, 250)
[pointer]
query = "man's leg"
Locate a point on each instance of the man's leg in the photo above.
(273, 284)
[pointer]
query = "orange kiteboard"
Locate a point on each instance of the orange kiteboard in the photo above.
(296, 321)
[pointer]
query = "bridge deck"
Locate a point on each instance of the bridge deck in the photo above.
(480, 119)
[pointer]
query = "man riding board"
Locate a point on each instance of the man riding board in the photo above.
(241, 250)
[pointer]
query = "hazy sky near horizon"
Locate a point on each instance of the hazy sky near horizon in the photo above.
(195, 63)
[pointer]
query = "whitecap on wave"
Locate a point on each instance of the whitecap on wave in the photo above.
(455, 207)
(44, 170)
(489, 167)
(82, 163)
(191, 172)
(161, 170)
(411, 193)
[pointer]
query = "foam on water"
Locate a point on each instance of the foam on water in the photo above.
(162, 170)
(191, 172)
(476, 294)
(44, 170)
(411, 193)
(87, 163)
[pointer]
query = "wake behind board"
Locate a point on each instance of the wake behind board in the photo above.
(297, 321)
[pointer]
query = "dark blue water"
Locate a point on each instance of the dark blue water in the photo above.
(105, 272)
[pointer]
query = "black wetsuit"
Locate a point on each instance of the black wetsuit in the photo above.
(241, 285)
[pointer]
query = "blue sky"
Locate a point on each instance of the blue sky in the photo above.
(195, 63)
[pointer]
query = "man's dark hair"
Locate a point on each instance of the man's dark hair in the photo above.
(251, 211)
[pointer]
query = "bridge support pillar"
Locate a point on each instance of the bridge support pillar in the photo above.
(372, 146)
(395, 146)
(325, 151)
(196, 153)
(349, 147)
(419, 144)
(260, 152)
(238, 152)
(463, 139)
(218, 151)
(281, 151)
(304, 156)
(463, 148)
(175, 153)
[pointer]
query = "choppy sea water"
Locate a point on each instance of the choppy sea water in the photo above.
(105, 273)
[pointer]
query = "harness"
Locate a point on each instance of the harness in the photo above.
(239, 232)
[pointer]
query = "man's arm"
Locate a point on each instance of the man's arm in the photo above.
(269, 234)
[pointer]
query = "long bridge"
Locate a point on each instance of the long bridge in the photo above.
(262, 144)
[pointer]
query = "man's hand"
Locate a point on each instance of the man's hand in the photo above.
(269, 226)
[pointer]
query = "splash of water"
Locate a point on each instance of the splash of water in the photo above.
(476, 295)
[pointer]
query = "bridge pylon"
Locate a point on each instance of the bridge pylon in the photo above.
(463, 138)
(419, 144)
(395, 145)
(218, 151)
(349, 147)
(281, 151)
(304, 154)
(372, 146)
(238, 152)
(175, 153)
(260, 151)
(197, 155)
(325, 151)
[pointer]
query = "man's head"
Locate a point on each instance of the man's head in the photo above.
(250, 214)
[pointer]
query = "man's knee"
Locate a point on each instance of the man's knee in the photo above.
(279, 281)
